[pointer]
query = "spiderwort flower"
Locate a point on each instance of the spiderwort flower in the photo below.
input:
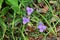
(25, 20)
(41, 27)
(29, 10)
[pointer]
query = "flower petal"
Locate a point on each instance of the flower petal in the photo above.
(41, 30)
(29, 10)
(25, 20)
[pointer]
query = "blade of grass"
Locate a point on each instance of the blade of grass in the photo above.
(13, 22)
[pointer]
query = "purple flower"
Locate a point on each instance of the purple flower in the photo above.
(41, 27)
(25, 20)
(29, 10)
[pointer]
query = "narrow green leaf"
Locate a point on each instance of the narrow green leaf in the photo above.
(1, 1)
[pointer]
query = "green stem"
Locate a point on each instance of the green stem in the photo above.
(55, 28)
(57, 22)
(22, 34)
(13, 26)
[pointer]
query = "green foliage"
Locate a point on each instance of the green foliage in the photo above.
(13, 4)
(1, 1)
(4, 11)
(12, 12)
(39, 1)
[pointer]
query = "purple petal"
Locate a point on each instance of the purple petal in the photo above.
(44, 27)
(40, 23)
(29, 10)
(41, 30)
(25, 20)
(41, 27)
